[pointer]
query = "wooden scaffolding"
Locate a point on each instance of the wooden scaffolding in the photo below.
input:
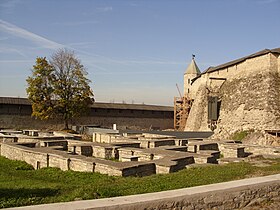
(182, 106)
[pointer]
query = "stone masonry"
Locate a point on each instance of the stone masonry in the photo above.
(248, 91)
(135, 154)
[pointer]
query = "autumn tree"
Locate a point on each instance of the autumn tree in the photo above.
(59, 87)
(40, 89)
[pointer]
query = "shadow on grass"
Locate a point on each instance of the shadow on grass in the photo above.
(27, 193)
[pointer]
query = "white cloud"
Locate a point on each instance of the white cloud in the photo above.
(82, 45)
(87, 57)
(20, 32)
(12, 50)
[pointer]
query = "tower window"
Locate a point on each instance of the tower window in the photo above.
(189, 81)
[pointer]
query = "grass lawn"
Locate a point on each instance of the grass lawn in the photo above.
(20, 185)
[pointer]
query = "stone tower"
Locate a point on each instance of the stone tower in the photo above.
(191, 72)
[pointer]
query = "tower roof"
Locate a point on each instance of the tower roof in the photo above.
(192, 68)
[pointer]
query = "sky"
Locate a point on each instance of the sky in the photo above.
(135, 51)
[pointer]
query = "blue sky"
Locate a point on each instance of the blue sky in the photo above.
(134, 50)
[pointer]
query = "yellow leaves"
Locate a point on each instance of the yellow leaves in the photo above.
(59, 87)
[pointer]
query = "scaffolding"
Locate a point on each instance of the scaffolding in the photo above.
(182, 106)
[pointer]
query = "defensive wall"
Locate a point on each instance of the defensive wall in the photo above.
(248, 95)
(16, 113)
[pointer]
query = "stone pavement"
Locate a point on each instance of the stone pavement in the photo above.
(176, 199)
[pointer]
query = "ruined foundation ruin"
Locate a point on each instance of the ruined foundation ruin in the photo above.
(126, 154)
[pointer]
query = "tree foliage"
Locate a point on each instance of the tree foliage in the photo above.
(40, 89)
(59, 87)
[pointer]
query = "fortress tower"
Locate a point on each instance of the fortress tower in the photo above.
(240, 95)
(191, 72)
(182, 104)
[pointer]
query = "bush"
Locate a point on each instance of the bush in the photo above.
(24, 167)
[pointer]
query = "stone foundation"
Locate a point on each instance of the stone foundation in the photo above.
(125, 156)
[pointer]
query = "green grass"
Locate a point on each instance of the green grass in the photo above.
(20, 185)
(240, 135)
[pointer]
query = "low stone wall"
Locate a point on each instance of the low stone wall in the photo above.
(260, 150)
(8, 139)
(232, 150)
(85, 150)
(197, 146)
(46, 157)
(234, 198)
(82, 164)
(102, 152)
(128, 152)
(107, 169)
(103, 137)
(17, 152)
(142, 169)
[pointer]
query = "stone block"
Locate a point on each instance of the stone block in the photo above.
(128, 158)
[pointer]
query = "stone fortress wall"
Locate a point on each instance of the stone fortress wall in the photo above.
(249, 97)
(16, 113)
(123, 123)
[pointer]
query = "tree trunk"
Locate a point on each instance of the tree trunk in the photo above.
(66, 126)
